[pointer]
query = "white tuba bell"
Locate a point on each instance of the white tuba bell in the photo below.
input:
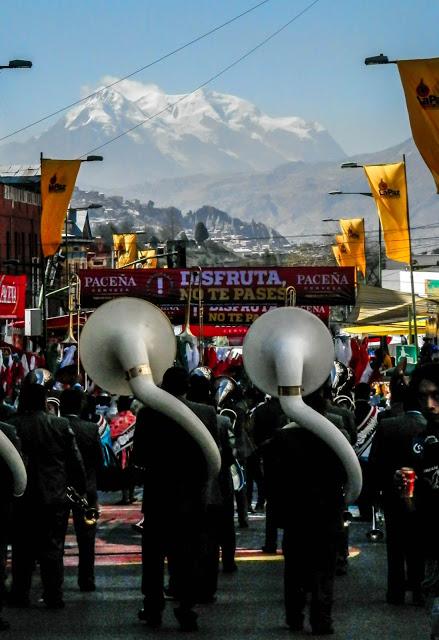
(126, 346)
(288, 353)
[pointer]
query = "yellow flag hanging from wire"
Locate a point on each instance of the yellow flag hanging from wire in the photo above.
(125, 247)
(389, 189)
(343, 257)
(119, 242)
(151, 254)
(58, 179)
(354, 240)
(420, 81)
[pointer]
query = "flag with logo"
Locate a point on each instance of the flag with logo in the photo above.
(354, 240)
(151, 262)
(341, 253)
(420, 81)
(58, 179)
(125, 247)
(389, 189)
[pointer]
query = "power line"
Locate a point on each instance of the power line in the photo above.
(133, 73)
(204, 84)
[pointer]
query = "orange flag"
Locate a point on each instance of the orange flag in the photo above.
(420, 81)
(151, 254)
(125, 246)
(342, 255)
(354, 241)
(58, 179)
(389, 189)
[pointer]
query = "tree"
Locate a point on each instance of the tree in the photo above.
(201, 233)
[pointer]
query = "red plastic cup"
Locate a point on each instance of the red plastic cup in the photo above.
(409, 477)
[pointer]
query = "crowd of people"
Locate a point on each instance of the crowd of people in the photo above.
(72, 446)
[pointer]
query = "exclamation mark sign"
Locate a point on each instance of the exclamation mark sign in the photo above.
(160, 285)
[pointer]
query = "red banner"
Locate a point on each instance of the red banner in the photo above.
(232, 314)
(228, 286)
(12, 297)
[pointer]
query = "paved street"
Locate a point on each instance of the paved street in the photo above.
(249, 602)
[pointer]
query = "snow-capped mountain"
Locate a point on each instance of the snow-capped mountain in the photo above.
(174, 135)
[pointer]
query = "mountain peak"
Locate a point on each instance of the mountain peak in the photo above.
(177, 134)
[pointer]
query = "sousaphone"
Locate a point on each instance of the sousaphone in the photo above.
(288, 353)
(126, 346)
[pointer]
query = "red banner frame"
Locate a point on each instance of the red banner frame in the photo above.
(229, 286)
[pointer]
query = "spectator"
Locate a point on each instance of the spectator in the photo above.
(52, 462)
(72, 402)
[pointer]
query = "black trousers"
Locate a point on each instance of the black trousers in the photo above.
(255, 475)
(309, 568)
(178, 539)
(405, 549)
(38, 535)
(5, 532)
(86, 538)
(219, 533)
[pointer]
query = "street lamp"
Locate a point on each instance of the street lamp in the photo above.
(380, 59)
(17, 64)
(350, 193)
(93, 159)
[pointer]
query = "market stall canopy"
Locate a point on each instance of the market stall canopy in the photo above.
(378, 306)
(395, 329)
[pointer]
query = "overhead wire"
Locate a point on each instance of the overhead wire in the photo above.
(133, 73)
(206, 82)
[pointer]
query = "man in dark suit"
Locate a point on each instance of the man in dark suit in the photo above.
(425, 382)
(305, 478)
(72, 402)
(53, 462)
(174, 475)
(393, 448)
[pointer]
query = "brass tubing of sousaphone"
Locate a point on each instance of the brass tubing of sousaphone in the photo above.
(304, 416)
(145, 390)
(287, 352)
(126, 346)
(13, 459)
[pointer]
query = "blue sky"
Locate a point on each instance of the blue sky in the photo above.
(314, 69)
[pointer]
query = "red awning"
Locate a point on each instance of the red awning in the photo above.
(210, 331)
(57, 322)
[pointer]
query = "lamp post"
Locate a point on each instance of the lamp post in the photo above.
(17, 64)
(379, 60)
(354, 165)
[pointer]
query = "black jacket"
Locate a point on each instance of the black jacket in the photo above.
(51, 457)
(89, 444)
(174, 467)
(393, 448)
(304, 480)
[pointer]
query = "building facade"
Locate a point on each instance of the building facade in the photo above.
(20, 213)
